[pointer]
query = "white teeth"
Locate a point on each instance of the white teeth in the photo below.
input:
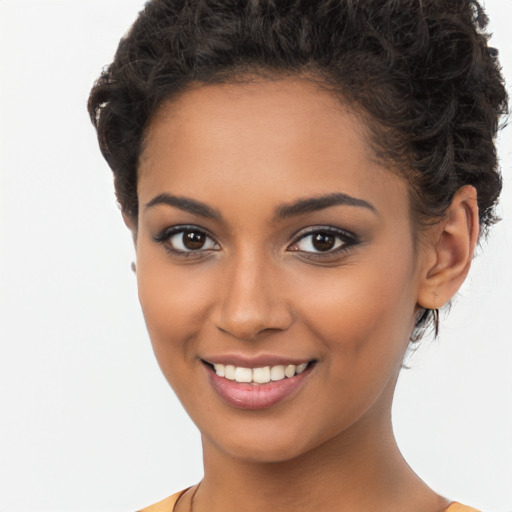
(229, 372)
(289, 371)
(243, 374)
(301, 368)
(258, 375)
(261, 375)
(277, 373)
(219, 369)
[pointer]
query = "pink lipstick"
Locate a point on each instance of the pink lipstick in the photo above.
(271, 385)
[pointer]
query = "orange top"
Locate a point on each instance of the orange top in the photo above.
(167, 505)
(457, 507)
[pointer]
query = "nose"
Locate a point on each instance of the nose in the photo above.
(252, 300)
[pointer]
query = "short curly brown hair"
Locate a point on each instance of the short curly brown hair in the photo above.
(421, 73)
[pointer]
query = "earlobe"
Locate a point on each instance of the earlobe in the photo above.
(450, 250)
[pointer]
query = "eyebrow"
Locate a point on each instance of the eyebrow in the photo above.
(307, 205)
(313, 204)
(186, 204)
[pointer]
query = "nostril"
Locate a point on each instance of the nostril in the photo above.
(242, 331)
(250, 306)
(250, 329)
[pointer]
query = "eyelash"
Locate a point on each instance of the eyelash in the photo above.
(165, 236)
(344, 240)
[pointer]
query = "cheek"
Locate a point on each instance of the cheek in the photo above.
(361, 325)
(364, 312)
(174, 304)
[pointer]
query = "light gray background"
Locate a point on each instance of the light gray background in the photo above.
(87, 422)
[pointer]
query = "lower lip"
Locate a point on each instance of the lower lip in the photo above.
(256, 396)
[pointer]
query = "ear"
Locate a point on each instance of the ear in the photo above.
(449, 250)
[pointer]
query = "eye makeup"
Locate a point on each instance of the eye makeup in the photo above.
(313, 243)
(323, 242)
(186, 241)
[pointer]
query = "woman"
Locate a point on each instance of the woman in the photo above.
(305, 183)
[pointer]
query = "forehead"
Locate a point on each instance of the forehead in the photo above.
(259, 113)
(282, 139)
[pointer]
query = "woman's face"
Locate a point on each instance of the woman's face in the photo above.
(268, 238)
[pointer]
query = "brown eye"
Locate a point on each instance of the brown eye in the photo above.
(194, 240)
(323, 241)
(187, 240)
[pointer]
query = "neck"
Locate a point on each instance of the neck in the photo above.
(362, 469)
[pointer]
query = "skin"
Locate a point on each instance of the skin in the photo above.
(258, 286)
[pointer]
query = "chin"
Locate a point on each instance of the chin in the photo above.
(266, 443)
(266, 451)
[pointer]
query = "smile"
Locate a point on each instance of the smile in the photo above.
(262, 375)
(260, 387)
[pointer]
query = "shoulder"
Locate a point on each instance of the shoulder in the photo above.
(457, 507)
(166, 505)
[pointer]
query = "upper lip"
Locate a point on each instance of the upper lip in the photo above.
(259, 361)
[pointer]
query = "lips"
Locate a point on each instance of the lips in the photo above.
(258, 387)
